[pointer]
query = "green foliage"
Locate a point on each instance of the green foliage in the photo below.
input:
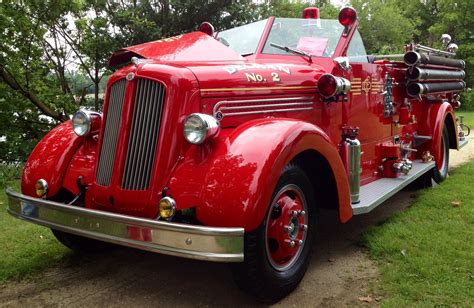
(9, 173)
(383, 26)
(467, 100)
(21, 126)
(294, 9)
(426, 253)
(53, 54)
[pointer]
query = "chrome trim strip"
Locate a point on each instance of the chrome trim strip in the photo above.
(297, 102)
(269, 106)
(263, 111)
(189, 241)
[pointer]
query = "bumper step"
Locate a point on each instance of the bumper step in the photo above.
(189, 241)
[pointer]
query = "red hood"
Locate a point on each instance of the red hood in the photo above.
(189, 47)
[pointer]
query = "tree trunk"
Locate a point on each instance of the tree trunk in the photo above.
(96, 82)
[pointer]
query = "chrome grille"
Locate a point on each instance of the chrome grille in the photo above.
(111, 133)
(149, 98)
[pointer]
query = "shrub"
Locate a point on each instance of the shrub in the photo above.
(467, 100)
(9, 172)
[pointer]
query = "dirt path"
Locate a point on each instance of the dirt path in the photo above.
(338, 275)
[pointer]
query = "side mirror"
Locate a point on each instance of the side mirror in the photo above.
(343, 63)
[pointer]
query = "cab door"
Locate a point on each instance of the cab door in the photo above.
(365, 107)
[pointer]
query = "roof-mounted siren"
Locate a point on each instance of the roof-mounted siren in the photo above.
(347, 17)
(312, 13)
(446, 40)
(207, 28)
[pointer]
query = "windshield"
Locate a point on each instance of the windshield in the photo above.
(244, 40)
(316, 37)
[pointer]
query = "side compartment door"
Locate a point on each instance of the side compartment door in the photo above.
(365, 106)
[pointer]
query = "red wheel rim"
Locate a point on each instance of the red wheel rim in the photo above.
(286, 227)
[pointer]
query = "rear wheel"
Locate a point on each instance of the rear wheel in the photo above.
(80, 244)
(440, 173)
(277, 254)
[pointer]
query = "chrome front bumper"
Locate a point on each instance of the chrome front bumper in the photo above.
(189, 241)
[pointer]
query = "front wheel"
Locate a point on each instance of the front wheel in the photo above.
(277, 254)
(80, 244)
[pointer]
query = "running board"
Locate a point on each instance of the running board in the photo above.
(375, 193)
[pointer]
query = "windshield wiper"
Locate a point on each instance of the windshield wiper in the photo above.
(247, 54)
(293, 51)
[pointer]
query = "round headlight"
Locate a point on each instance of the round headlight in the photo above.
(81, 123)
(86, 122)
(198, 127)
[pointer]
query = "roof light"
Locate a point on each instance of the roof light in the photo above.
(207, 28)
(311, 13)
(347, 16)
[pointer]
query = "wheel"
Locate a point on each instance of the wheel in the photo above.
(424, 181)
(277, 254)
(80, 244)
(440, 173)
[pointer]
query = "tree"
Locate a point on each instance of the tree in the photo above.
(53, 53)
(22, 60)
(384, 27)
(294, 9)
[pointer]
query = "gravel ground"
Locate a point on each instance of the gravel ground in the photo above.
(338, 275)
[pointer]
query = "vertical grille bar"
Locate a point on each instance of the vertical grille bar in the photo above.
(111, 133)
(141, 150)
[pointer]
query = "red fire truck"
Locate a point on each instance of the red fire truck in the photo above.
(222, 146)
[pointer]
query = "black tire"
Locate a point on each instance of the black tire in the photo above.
(440, 173)
(80, 244)
(260, 274)
(424, 181)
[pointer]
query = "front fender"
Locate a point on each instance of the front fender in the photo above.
(231, 180)
(433, 120)
(50, 159)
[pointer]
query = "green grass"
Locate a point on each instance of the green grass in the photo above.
(426, 253)
(25, 248)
